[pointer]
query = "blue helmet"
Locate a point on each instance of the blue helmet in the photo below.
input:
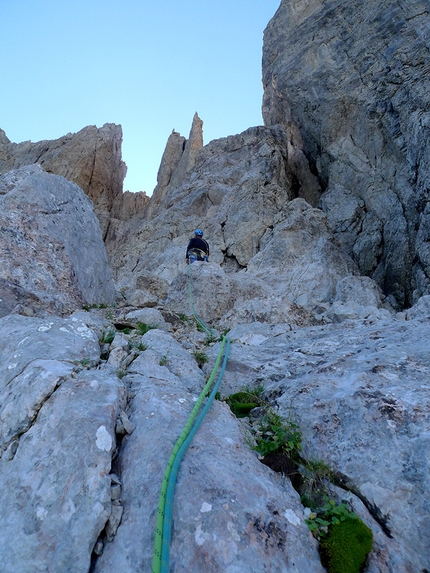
(198, 233)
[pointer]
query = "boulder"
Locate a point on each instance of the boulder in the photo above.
(53, 256)
(364, 125)
(299, 258)
(358, 297)
(227, 299)
(210, 294)
(420, 310)
(90, 158)
(149, 316)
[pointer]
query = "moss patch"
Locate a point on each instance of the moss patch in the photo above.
(242, 403)
(345, 547)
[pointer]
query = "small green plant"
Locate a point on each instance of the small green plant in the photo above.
(108, 337)
(142, 347)
(143, 328)
(315, 474)
(163, 360)
(126, 330)
(199, 327)
(241, 403)
(345, 547)
(330, 514)
(84, 362)
(95, 305)
(210, 339)
(278, 435)
(183, 317)
(121, 373)
(201, 358)
(344, 539)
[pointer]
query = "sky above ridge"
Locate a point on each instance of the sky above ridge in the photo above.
(147, 65)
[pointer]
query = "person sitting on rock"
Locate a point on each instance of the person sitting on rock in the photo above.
(198, 249)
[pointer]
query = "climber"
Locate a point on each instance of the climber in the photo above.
(198, 249)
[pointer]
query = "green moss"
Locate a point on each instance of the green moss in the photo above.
(242, 403)
(345, 548)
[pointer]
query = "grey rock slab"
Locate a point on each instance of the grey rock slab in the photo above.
(230, 512)
(361, 394)
(149, 316)
(420, 310)
(25, 339)
(36, 356)
(55, 492)
(53, 258)
(211, 294)
(23, 397)
(166, 359)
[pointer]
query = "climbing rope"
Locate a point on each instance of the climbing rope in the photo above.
(163, 528)
(199, 321)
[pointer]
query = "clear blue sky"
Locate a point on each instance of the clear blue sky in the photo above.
(147, 65)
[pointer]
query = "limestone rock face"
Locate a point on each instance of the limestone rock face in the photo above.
(90, 158)
(86, 431)
(352, 78)
(360, 393)
(52, 253)
(300, 259)
(92, 403)
(298, 268)
(86, 450)
(57, 441)
(235, 190)
(178, 158)
(126, 205)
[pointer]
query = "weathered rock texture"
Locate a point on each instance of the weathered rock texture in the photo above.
(57, 441)
(360, 392)
(353, 79)
(238, 188)
(90, 407)
(82, 452)
(52, 253)
(90, 158)
(59, 406)
(178, 158)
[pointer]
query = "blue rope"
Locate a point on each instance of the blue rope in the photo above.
(167, 526)
(164, 533)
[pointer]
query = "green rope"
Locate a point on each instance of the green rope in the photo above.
(167, 529)
(160, 562)
(199, 321)
(156, 563)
